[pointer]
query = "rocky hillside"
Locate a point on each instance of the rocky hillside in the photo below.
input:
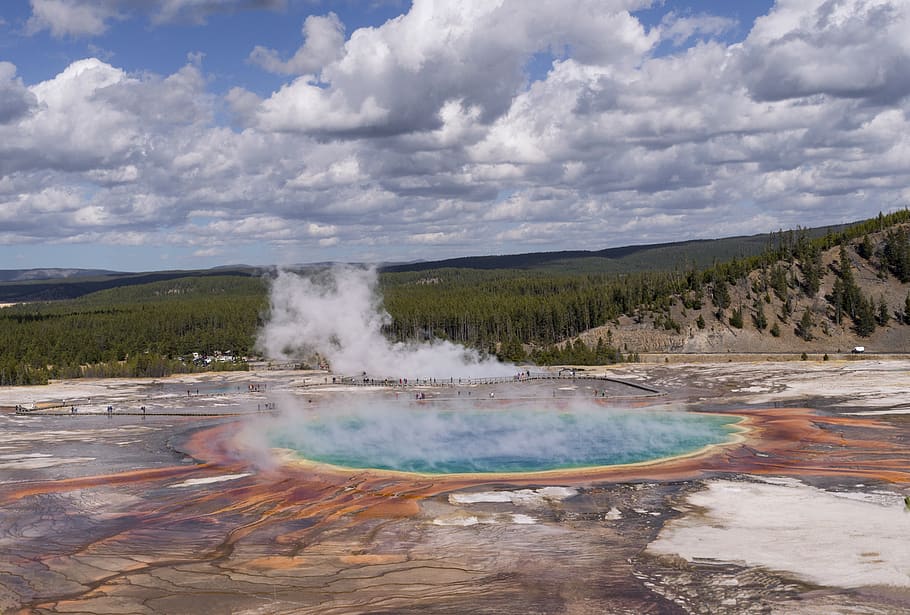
(811, 299)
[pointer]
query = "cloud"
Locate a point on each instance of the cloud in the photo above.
(197, 11)
(207, 252)
(846, 49)
(399, 77)
(304, 106)
(427, 136)
(679, 29)
(77, 18)
(324, 38)
(70, 129)
(346, 171)
(70, 17)
(15, 99)
(91, 152)
(94, 116)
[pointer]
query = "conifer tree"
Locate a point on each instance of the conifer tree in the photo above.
(883, 315)
(864, 323)
(864, 248)
(758, 318)
(736, 318)
(779, 282)
(804, 327)
(720, 295)
(896, 254)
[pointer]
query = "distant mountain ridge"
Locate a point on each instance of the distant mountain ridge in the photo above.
(55, 289)
(697, 253)
(54, 273)
(51, 284)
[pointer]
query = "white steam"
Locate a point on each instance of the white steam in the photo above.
(338, 314)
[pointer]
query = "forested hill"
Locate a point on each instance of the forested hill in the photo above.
(697, 253)
(822, 294)
(149, 329)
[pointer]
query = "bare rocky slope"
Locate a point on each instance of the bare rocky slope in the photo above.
(648, 331)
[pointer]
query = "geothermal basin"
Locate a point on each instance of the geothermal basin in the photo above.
(458, 501)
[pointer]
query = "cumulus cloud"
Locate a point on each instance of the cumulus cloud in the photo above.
(850, 49)
(427, 136)
(71, 129)
(324, 38)
(94, 116)
(70, 17)
(92, 150)
(15, 99)
(397, 78)
(304, 106)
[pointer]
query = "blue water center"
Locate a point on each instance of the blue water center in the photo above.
(440, 439)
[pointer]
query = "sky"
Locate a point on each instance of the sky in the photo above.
(141, 135)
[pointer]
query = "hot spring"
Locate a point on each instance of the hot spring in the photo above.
(510, 437)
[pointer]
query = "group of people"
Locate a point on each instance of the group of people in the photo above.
(110, 410)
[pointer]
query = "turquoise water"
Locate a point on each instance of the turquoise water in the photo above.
(436, 440)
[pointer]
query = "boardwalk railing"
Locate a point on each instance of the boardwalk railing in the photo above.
(457, 382)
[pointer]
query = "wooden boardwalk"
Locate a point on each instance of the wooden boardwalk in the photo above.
(52, 408)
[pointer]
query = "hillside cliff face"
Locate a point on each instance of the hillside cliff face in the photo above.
(773, 309)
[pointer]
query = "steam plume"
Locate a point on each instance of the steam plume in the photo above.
(339, 315)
